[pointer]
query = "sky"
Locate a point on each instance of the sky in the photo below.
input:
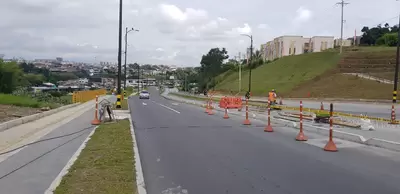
(172, 32)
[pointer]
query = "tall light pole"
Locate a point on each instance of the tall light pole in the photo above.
(138, 78)
(126, 49)
(251, 56)
(119, 56)
(342, 3)
(396, 73)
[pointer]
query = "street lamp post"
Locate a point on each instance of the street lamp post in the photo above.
(251, 56)
(126, 49)
(118, 104)
(138, 78)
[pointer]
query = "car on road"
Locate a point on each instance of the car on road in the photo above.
(144, 95)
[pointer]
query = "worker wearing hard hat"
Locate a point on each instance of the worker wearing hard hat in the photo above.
(272, 96)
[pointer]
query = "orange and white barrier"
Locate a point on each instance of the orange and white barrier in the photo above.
(269, 128)
(301, 136)
(247, 121)
(96, 120)
(330, 146)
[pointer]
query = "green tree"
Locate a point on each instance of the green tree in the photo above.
(11, 76)
(373, 36)
(32, 79)
(389, 39)
(211, 66)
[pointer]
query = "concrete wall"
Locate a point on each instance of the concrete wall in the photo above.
(321, 43)
(345, 42)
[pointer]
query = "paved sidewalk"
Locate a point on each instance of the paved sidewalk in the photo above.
(33, 154)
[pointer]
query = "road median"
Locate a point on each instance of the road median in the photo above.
(105, 165)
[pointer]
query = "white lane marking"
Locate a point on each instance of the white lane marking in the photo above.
(167, 107)
(71, 161)
(140, 184)
(175, 104)
(144, 104)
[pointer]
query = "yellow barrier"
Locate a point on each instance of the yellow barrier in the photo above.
(87, 95)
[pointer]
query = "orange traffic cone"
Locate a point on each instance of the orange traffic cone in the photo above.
(96, 120)
(330, 146)
(247, 121)
(210, 112)
(207, 104)
(301, 136)
(226, 116)
(269, 128)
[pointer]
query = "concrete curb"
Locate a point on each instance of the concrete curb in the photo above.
(13, 123)
(376, 142)
(140, 183)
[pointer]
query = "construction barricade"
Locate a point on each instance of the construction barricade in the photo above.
(230, 102)
(87, 95)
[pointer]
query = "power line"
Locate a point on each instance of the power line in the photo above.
(342, 3)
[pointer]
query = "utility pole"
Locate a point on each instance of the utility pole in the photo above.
(138, 78)
(240, 72)
(342, 3)
(118, 106)
(251, 56)
(396, 73)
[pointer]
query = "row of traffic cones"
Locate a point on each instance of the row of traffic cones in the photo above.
(330, 146)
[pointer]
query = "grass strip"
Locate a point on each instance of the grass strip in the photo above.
(106, 165)
(8, 99)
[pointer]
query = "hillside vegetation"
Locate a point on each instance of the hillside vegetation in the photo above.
(321, 75)
(283, 74)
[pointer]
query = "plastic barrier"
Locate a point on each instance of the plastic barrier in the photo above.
(87, 95)
(230, 102)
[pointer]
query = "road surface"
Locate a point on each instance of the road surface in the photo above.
(184, 150)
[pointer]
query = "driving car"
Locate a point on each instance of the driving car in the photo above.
(144, 95)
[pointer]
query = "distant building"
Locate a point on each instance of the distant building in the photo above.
(346, 43)
(59, 59)
(295, 45)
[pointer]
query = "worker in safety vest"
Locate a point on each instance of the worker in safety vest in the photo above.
(272, 96)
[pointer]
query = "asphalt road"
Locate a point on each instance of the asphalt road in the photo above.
(33, 169)
(184, 150)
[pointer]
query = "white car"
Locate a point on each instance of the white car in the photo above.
(144, 95)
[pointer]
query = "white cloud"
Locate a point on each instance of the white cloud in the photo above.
(174, 13)
(303, 14)
(184, 30)
(262, 26)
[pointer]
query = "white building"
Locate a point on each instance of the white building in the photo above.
(145, 82)
(83, 81)
(295, 45)
(346, 43)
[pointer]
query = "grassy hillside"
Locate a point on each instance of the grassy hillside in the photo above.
(283, 74)
(342, 86)
(321, 75)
